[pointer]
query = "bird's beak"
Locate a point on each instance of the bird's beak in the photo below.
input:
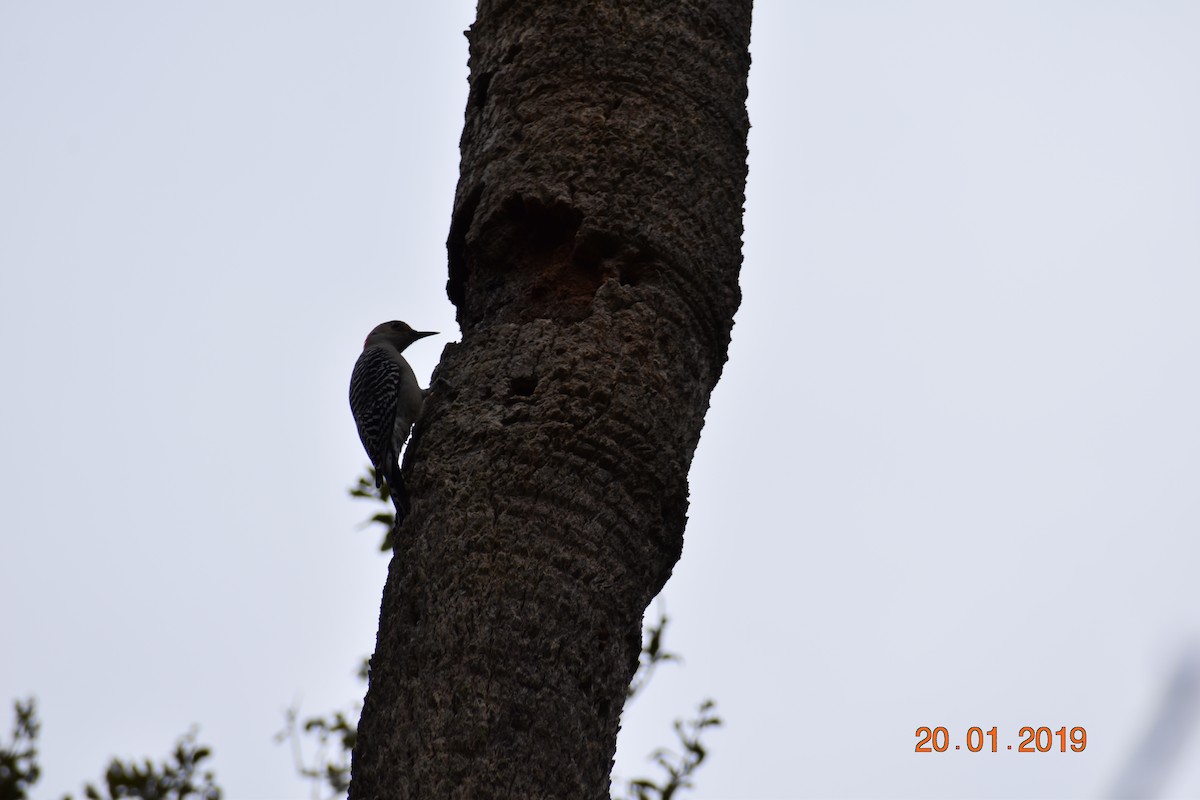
(423, 334)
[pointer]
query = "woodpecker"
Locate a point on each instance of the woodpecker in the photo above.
(386, 400)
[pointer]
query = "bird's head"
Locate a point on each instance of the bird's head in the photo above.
(396, 333)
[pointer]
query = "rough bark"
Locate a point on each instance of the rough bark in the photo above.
(594, 254)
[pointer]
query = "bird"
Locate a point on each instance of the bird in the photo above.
(386, 400)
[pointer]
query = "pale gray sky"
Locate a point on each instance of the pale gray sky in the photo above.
(949, 476)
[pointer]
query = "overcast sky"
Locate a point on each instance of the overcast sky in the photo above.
(949, 476)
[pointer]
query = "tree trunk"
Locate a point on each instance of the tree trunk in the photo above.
(594, 254)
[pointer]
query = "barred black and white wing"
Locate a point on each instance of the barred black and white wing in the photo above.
(374, 394)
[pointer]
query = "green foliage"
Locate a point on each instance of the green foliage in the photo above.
(365, 490)
(334, 737)
(332, 740)
(678, 767)
(653, 653)
(180, 777)
(18, 760)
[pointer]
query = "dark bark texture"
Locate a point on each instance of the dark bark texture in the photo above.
(594, 255)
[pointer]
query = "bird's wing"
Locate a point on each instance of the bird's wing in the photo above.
(374, 392)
